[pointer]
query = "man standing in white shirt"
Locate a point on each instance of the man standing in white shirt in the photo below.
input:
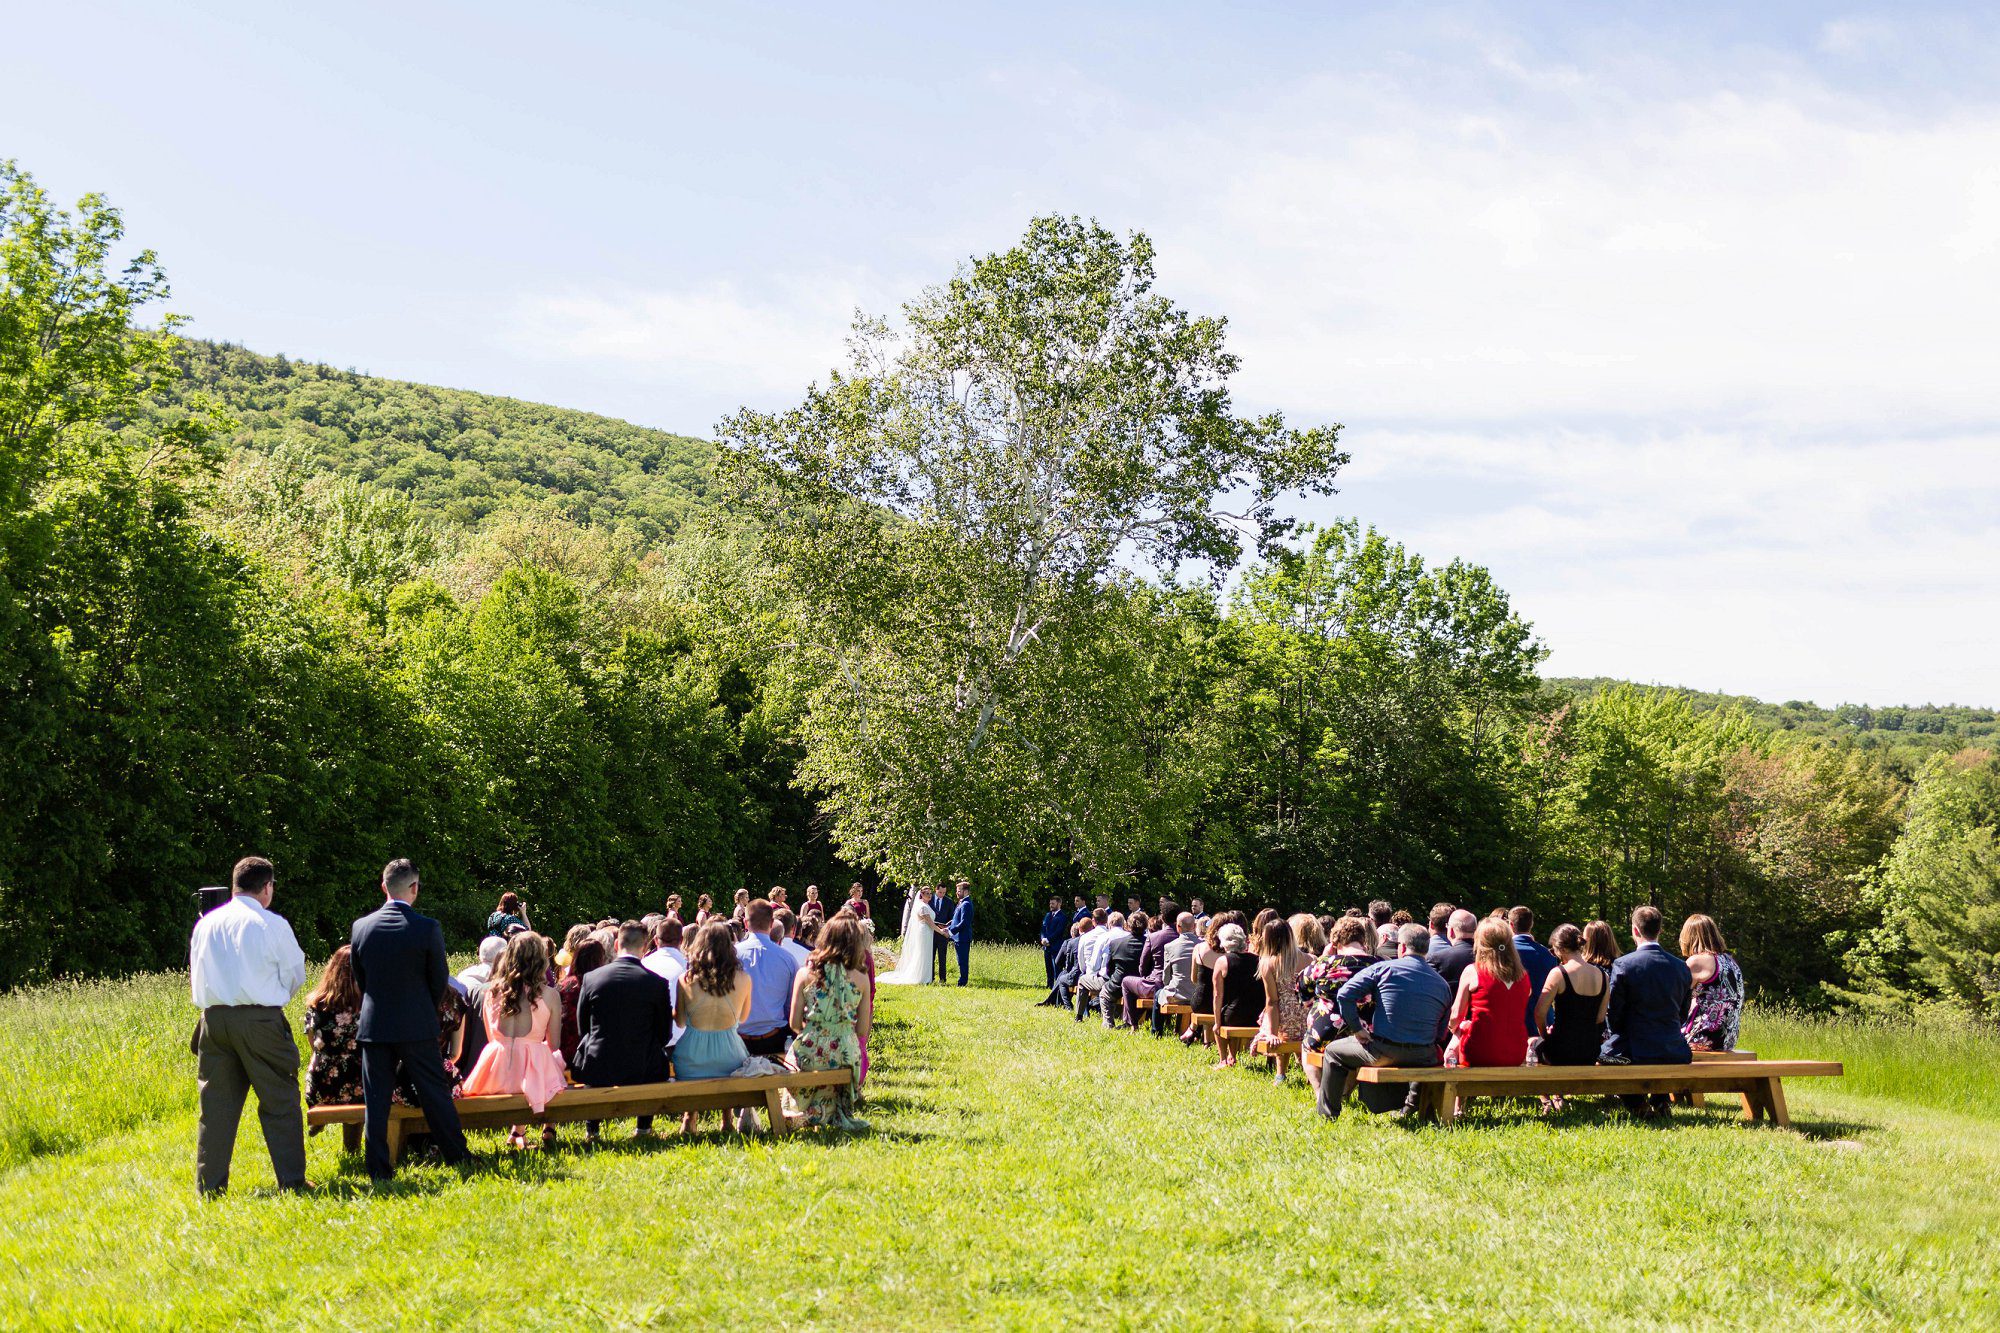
(244, 966)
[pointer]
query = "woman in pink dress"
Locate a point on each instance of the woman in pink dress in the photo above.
(523, 1054)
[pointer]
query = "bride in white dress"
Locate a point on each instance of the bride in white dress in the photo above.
(913, 968)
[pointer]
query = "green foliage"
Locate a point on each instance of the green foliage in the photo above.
(1939, 895)
(460, 456)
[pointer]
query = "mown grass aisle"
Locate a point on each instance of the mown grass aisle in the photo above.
(1025, 1170)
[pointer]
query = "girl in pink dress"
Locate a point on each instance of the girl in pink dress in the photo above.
(523, 1052)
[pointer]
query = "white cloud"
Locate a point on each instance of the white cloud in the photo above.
(1703, 357)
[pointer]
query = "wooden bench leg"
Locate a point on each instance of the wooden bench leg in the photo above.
(396, 1136)
(1447, 1103)
(350, 1136)
(774, 1106)
(1753, 1102)
(1774, 1103)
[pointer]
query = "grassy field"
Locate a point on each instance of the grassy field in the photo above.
(1023, 1171)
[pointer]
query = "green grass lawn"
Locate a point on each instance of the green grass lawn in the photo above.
(1023, 1171)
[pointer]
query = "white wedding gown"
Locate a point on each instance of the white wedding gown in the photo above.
(914, 967)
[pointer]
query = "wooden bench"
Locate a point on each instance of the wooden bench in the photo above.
(762, 1093)
(1182, 1014)
(1760, 1081)
(1277, 1051)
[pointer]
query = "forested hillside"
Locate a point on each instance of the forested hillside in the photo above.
(252, 605)
(1917, 731)
(460, 455)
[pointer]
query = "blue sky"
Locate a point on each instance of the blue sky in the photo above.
(1681, 318)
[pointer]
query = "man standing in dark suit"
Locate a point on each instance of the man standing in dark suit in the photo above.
(960, 931)
(1650, 989)
(1082, 912)
(624, 1021)
(399, 964)
(941, 913)
(1055, 929)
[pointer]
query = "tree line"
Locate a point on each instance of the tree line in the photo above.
(956, 613)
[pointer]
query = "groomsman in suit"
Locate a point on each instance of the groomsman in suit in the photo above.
(960, 931)
(1082, 912)
(1055, 929)
(399, 964)
(941, 913)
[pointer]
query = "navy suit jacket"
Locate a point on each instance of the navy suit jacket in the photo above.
(1539, 962)
(1055, 929)
(1067, 968)
(1080, 914)
(960, 925)
(624, 1023)
(1650, 989)
(399, 963)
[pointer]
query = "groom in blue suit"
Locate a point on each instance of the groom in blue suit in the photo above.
(960, 930)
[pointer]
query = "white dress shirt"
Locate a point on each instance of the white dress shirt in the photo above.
(1090, 946)
(244, 953)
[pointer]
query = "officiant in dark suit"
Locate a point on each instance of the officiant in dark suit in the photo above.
(399, 965)
(625, 1021)
(940, 913)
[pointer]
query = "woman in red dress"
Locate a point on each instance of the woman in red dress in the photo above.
(1490, 1013)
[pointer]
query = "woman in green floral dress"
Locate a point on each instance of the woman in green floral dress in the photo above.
(830, 1012)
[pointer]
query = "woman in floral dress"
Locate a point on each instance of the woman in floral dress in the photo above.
(332, 1023)
(1347, 953)
(831, 1010)
(1716, 1014)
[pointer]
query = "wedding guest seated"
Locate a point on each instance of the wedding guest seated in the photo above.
(1716, 1014)
(1319, 986)
(1600, 945)
(868, 966)
(1176, 984)
(1569, 1010)
(1119, 960)
(1649, 994)
(625, 1021)
(1255, 935)
(1489, 1014)
(587, 958)
(830, 1012)
(490, 950)
(573, 939)
(1381, 915)
(1308, 934)
(1090, 981)
(715, 1001)
(1455, 957)
(1284, 1015)
(765, 1029)
(1538, 961)
(1238, 989)
(1067, 968)
(523, 1017)
(784, 933)
(1440, 928)
(1411, 1013)
(332, 1024)
(1207, 955)
(809, 927)
(1145, 982)
(511, 912)
(668, 963)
